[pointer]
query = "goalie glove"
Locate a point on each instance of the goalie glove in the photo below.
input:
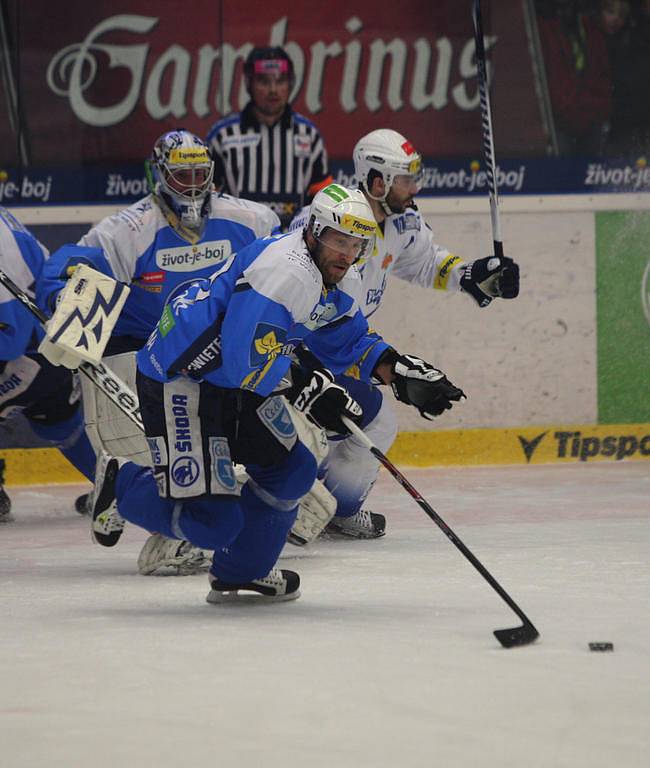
(419, 384)
(489, 278)
(86, 312)
(323, 402)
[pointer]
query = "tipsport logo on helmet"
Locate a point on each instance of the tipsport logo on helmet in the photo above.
(358, 225)
(191, 156)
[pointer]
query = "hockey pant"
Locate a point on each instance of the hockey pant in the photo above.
(195, 432)
(48, 397)
(350, 470)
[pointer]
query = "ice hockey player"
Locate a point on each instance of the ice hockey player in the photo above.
(212, 382)
(46, 395)
(158, 246)
(389, 171)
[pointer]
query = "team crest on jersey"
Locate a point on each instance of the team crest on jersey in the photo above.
(269, 341)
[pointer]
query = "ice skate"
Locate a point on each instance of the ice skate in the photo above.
(5, 501)
(161, 555)
(82, 504)
(277, 586)
(5, 507)
(362, 525)
(107, 523)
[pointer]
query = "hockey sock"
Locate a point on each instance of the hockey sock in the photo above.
(209, 523)
(257, 547)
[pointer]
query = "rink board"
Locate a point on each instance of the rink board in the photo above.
(454, 447)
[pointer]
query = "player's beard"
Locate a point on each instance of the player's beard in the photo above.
(330, 277)
(395, 205)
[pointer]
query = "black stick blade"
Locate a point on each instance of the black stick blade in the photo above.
(511, 638)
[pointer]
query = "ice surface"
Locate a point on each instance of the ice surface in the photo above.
(387, 659)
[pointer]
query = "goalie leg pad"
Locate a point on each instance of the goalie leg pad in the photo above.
(108, 428)
(312, 437)
(315, 511)
(161, 555)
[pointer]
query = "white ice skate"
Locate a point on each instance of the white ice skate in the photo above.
(164, 556)
(277, 586)
(362, 525)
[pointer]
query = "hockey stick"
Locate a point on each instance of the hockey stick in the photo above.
(508, 638)
(102, 376)
(486, 125)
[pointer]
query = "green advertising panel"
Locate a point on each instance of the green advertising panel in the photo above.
(623, 312)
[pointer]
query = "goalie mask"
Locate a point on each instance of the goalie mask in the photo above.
(346, 212)
(391, 156)
(181, 173)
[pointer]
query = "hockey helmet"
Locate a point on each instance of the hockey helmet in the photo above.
(389, 154)
(181, 173)
(337, 209)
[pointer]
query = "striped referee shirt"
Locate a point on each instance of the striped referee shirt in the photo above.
(283, 165)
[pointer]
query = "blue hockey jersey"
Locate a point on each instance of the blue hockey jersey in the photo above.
(22, 257)
(238, 329)
(139, 247)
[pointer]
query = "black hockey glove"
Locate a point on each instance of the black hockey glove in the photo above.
(419, 384)
(489, 278)
(323, 402)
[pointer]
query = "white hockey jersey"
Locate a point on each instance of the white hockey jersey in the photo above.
(139, 247)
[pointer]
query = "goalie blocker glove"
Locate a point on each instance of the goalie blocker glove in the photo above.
(489, 278)
(323, 402)
(419, 384)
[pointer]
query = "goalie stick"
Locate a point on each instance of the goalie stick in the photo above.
(509, 638)
(486, 125)
(102, 376)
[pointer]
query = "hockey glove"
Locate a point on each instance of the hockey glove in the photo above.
(322, 401)
(419, 384)
(489, 278)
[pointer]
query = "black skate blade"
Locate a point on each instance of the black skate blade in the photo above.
(511, 638)
(246, 597)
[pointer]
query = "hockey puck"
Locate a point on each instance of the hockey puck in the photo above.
(601, 646)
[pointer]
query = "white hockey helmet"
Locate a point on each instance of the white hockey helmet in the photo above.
(346, 211)
(182, 171)
(391, 155)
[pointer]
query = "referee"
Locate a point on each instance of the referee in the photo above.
(268, 152)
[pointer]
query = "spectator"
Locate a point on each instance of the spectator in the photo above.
(577, 67)
(628, 41)
(268, 152)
